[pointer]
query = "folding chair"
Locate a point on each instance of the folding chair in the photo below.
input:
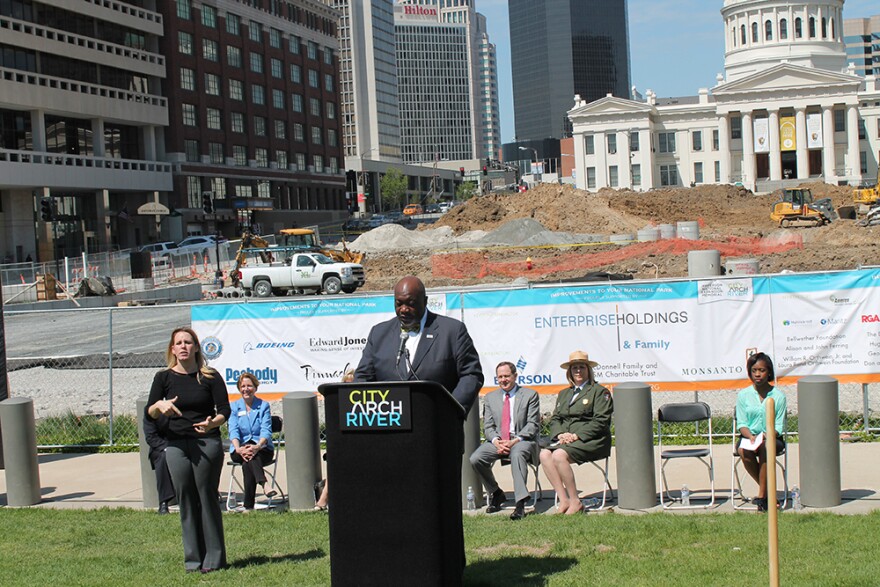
(533, 467)
(606, 486)
(692, 412)
(736, 491)
(271, 470)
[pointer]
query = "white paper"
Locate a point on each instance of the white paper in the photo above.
(753, 444)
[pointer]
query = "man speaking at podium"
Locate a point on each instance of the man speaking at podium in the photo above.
(421, 345)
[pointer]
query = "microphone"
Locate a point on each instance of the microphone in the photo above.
(403, 336)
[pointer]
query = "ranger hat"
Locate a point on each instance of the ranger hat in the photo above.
(578, 357)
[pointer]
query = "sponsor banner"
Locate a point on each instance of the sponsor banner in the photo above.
(368, 407)
(814, 130)
(762, 135)
(787, 134)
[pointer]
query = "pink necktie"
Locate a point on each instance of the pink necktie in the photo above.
(505, 418)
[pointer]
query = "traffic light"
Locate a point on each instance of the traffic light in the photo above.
(46, 209)
(485, 170)
(207, 202)
(461, 170)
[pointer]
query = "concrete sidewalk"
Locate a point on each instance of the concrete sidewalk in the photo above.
(88, 481)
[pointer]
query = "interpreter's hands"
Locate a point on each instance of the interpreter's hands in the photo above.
(167, 408)
(204, 427)
(567, 438)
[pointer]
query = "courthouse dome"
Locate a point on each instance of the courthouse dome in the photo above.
(762, 33)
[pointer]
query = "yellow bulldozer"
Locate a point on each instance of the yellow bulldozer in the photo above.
(797, 208)
(867, 196)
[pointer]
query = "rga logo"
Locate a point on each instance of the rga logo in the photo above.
(870, 318)
(831, 321)
(249, 346)
(264, 375)
(212, 347)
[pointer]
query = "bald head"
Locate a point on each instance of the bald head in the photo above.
(410, 301)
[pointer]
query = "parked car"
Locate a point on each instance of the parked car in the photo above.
(162, 248)
(412, 209)
(445, 207)
(197, 244)
(432, 209)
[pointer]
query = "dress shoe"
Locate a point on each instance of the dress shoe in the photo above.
(519, 511)
(496, 500)
(163, 508)
(761, 503)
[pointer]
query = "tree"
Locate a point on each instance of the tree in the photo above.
(466, 190)
(393, 186)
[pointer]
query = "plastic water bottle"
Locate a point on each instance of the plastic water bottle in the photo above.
(796, 499)
(591, 503)
(471, 500)
(685, 496)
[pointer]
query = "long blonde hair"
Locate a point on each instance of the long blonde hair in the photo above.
(202, 364)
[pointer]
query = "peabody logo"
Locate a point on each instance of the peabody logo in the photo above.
(249, 346)
(212, 347)
(264, 375)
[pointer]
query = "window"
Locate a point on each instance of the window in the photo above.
(296, 75)
(742, 33)
(236, 89)
(209, 49)
(754, 32)
(591, 177)
(262, 157)
(812, 27)
(184, 9)
(783, 31)
(215, 150)
(187, 79)
(257, 62)
(863, 162)
(214, 119)
(243, 191)
(668, 175)
(314, 107)
(191, 149)
(331, 111)
(233, 56)
(334, 165)
(218, 185)
(280, 129)
(259, 126)
(798, 28)
(633, 142)
(612, 142)
(212, 84)
(863, 134)
(293, 44)
(768, 30)
(300, 162)
(697, 140)
(313, 50)
(589, 148)
(239, 153)
(328, 55)
(833, 36)
(612, 176)
(209, 16)
(667, 142)
(258, 94)
(185, 43)
(698, 172)
(313, 78)
(733, 35)
(318, 162)
(637, 175)
(824, 28)
(716, 137)
(278, 99)
(277, 68)
(317, 138)
(281, 159)
(275, 38)
(328, 82)
(298, 132)
(332, 138)
(296, 102)
(718, 172)
(736, 127)
(255, 32)
(878, 128)
(194, 191)
(233, 24)
(237, 122)
(189, 115)
(839, 121)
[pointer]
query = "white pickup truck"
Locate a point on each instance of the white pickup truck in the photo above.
(302, 272)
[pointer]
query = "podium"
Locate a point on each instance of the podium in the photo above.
(394, 471)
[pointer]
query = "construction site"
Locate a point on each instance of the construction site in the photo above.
(556, 233)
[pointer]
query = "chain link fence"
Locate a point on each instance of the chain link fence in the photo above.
(85, 369)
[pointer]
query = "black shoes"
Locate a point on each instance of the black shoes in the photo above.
(163, 508)
(761, 503)
(496, 500)
(519, 511)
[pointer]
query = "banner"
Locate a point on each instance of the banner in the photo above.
(762, 135)
(674, 335)
(814, 130)
(787, 134)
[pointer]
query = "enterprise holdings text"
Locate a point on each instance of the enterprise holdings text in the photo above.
(628, 318)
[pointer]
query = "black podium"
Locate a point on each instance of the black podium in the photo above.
(394, 473)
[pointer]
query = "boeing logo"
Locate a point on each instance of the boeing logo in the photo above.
(249, 346)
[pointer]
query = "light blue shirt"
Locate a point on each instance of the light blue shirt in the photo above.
(252, 425)
(750, 410)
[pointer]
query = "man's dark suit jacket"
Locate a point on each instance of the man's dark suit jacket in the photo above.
(445, 355)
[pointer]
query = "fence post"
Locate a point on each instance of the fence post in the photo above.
(819, 441)
(20, 451)
(302, 449)
(866, 411)
(634, 433)
(110, 367)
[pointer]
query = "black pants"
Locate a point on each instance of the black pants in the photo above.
(164, 486)
(253, 472)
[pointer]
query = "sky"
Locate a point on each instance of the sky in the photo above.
(676, 46)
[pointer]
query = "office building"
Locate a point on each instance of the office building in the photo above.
(862, 39)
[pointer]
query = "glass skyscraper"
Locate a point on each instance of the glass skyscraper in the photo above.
(560, 48)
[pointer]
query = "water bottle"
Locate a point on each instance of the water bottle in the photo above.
(591, 503)
(471, 500)
(796, 499)
(685, 496)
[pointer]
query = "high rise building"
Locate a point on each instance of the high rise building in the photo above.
(560, 48)
(488, 93)
(862, 39)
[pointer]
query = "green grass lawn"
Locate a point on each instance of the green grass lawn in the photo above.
(118, 547)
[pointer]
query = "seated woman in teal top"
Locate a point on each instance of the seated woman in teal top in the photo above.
(750, 421)
(250, 435)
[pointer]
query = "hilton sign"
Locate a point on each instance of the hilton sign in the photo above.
(413, 12)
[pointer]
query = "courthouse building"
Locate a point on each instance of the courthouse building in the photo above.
(787, 109)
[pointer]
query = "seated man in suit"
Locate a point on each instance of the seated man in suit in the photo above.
(511, 423)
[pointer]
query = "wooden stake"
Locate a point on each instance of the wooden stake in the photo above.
(772, 511)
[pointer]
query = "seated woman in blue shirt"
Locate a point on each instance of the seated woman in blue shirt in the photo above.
(750, 421)
(250, 433)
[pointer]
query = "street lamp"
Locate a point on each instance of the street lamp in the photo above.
(361, 182)
(535, 173)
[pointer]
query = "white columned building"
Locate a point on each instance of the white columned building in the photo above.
(788, 109)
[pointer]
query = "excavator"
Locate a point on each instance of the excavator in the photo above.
(797, 208)
(292, 239)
